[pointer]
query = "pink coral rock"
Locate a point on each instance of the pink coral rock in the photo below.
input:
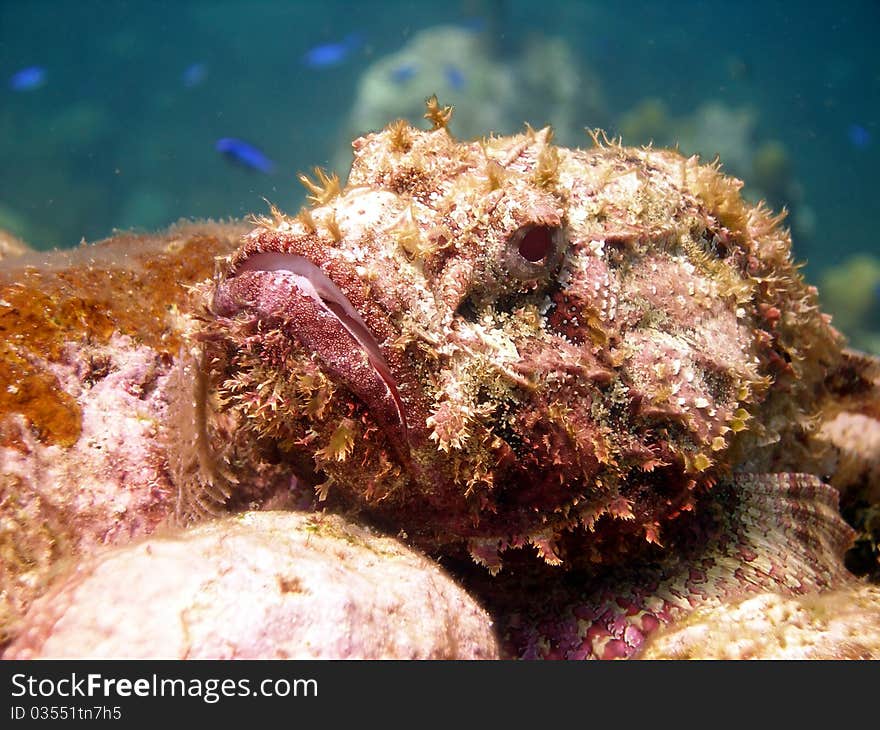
(258, 585)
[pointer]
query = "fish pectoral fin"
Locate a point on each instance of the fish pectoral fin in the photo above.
(855, 384)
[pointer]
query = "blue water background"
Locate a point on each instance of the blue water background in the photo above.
(122, 132)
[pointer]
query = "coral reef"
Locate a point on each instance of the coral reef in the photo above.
(851, 293)
(730, 133)
(11, 245)
(316, 587)
(542, 83)
(591, 382)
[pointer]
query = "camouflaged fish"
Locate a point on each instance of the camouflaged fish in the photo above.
(589, 381)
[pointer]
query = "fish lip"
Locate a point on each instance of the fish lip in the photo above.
(314, 283)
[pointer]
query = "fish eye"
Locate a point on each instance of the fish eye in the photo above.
(535, 243)
(533, 250)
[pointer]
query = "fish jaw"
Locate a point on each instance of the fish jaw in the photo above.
(311, 309)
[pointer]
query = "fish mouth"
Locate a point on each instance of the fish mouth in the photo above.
(318, 314)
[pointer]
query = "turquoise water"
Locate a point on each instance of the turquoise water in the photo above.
(116, 123)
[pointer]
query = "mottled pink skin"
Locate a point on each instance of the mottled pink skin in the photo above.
(271, 294)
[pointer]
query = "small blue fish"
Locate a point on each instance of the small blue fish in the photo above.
(474, 25)
(454, 77)
(403, 73)
(194, 74)
(242, 153)
(28, 79)
(858, 135)
(328, 55)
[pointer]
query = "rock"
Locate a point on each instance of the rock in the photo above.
(843, 624)
(258, 585)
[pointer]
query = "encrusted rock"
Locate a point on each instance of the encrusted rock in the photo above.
(842, 624)
(91, 358)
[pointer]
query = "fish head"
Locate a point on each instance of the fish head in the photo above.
(503, 344)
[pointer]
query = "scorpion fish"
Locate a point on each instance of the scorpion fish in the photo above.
(590, 382)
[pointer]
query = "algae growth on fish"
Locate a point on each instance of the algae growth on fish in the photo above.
(591, 382)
